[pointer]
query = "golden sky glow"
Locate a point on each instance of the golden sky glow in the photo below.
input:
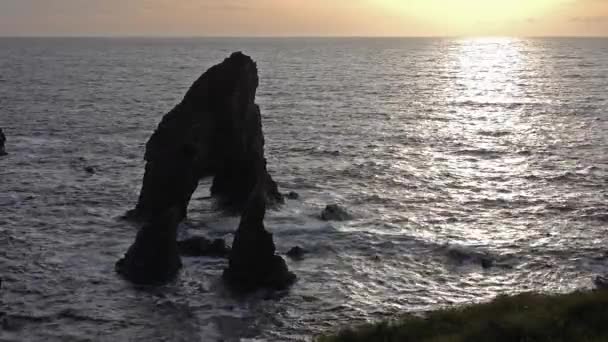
(305, 17)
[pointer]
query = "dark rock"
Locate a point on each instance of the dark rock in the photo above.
(601, 282)
(2, 142)
(253, 262)
(153, 258)
(487, 262)
(89, 169)
(458, 255)
(202, 247)
(334, 212)
(293, 195)
(462, 255)
(216, 131)
(297, 253)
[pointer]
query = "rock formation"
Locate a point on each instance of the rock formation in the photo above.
(253, 262)
(2, 142)
(215, 131)
(202, 247)
(297, 253)
(153, 258)
(293, 195)
(334, 212)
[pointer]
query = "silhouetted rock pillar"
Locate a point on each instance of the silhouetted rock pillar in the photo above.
(154, 257)
(215, 131)
(253, 262)
(2, 142)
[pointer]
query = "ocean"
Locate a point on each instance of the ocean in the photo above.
(471, 168)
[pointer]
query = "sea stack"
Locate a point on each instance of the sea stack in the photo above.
(216, 131)
(2, 142)
(253, 263)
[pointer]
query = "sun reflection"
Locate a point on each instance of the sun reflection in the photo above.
(485, 92)
(488, 70)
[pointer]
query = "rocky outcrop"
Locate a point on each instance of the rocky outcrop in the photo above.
(253, 263)
(153, 258)
(202, 247)
(2, 142)
(292, 195)
(334, 212)
(216, 131)
(297, 253)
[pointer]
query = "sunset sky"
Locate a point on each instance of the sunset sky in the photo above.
(303, 17)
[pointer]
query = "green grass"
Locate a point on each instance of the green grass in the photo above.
(580, 316)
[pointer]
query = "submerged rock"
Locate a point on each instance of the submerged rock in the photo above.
(297, 253)
(253, 262)
(334, 212)
(461, 256)
(487, 262)
(2, 142)
(202, 247)
(601, 282)
(293, 195)
(153, 258)
(216, 131)
(89, 170)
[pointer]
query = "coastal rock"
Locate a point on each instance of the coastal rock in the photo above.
(216, 131)
(2, 142)
(487, 263)
(601, 282)
(334, 212)
(253, 262)
(293, 195)
(202, 247)
(461, 255)
(153, 258)
(297, 253)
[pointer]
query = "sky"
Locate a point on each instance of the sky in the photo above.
(304, 18)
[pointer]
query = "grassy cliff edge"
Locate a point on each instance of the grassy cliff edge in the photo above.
(529, 317)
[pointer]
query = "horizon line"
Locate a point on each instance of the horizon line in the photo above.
(298, 36)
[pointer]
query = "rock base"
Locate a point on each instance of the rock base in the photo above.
(153, 259)
(255, 266)
(253, 262)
